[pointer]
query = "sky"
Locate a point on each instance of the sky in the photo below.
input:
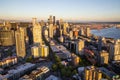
(69, 10)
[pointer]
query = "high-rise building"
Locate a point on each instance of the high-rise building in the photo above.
(50, 20)
(75, 59)
(65, 28)
(103, 57)
(92, 73)
(44, 51)
(75, 34)
(61, 22)
(7, 25)
(46, 32)
(88, 32)
(71, 34)
(61, 38)
(30, 35)
(54, 20)
(79, 47)
(20, 42)
(42, 23)
(72, 46)
(35, 51)
(82, 31)
(7, 37)
(99, 43)
(115, 51)
(51, 30)
(37, 32)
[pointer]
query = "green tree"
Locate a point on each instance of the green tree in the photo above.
(57, 59)
(9, 52)
(74, 72)
(63, 71)
(54, 67)
(68, 73)
(69, 68)
(29, 59)
(60, 65)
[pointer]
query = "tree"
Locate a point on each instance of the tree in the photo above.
(69, 68)
(29, 59)
(63, 71)
(60, 65)
(57, 59)
(68, 73)
(54, 67)
(9, 52)
(74, 72)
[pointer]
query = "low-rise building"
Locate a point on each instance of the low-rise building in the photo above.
(116, 66)
(61, 51)
(6, 62)
(19, 71)
(36, 74)
(109, 74)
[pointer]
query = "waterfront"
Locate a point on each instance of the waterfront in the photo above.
(107, 32)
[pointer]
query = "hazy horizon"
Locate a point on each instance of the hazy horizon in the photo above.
(68, 10)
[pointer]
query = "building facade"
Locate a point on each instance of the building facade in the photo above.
(91, 73)
(7, 37)
(115, 51)
(37, 32)
(20, 42)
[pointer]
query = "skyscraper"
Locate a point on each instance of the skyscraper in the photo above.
(71, 34)
(65, 28)
(75, 59)
(82, 31)
(35, 51)
(61, 22)
(79, 46)
(87, 31)
(53, 20)
(51, 30)
(50, 25)
(20, 42)
(50, 20)
(103, 57)
(115, 51)
(37, 32)
(100, 44)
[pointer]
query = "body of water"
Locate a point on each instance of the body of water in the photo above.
(108, 32)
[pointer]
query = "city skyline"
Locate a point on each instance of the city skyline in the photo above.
(72, 10)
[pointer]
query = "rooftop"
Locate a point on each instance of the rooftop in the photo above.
(107, 72)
